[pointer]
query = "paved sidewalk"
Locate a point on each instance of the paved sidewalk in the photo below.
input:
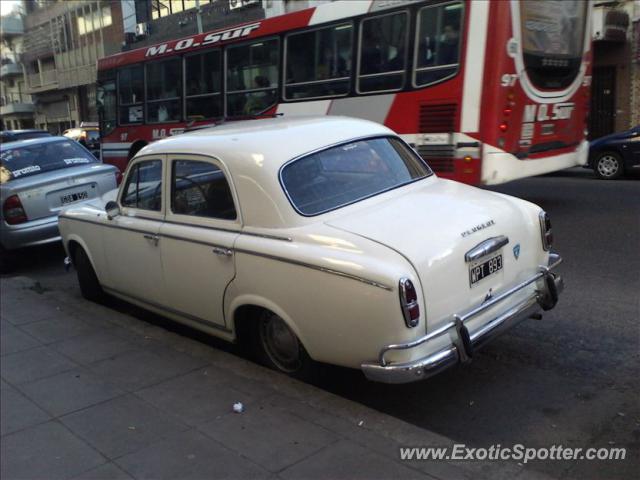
(88, 392)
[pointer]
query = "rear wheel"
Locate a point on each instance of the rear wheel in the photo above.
(279, 348)
(608, 165)
(87, 278)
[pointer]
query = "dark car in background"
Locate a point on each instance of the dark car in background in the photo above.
(613, 155)
(7, 136)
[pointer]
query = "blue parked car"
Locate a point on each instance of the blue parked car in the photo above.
(610, 156)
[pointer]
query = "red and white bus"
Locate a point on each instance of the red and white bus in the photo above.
(486, 92)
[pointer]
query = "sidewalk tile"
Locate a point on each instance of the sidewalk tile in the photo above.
(17, 411)
(269, 436)
(190, 455)
(13, 340)
(69, 391)
(122, 425)
(58, 328)
(196, 397)
(93, 347)
(139, 369)
(35, 311)
(345, 460)
(106, 471)
(33, 364)
(46, 451)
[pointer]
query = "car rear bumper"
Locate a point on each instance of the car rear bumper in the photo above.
(36, 232)
(464, 342)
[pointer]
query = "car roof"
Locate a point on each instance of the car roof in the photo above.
(33, 141)
(253, 151)
(19, 132)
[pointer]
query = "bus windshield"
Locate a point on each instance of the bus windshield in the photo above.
(552, 40)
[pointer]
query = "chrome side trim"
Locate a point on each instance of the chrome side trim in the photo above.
(316, 267)
(250, 252)
(486, 247)
(168, 309)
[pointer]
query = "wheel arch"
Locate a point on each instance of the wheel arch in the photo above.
(72, 243)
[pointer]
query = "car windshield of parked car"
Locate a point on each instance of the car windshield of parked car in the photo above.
(350, 172)
(33, 159)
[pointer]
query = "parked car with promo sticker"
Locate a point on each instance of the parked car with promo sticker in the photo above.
(316, 239)
(40, 177)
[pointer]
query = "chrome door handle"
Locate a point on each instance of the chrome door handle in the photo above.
(227, 252)
(153, 238)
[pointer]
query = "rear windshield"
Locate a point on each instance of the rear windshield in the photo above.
(28, 160)
(350, 172)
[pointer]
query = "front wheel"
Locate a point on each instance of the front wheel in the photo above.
(89, 285)
(279, 348)
(608, 166)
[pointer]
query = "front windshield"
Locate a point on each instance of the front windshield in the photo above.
(552, 40)
(28, 160)
(347, 173)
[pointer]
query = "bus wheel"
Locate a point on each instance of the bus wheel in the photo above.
(608, 165)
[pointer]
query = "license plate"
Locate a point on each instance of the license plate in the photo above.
(74, 197)
(484, 269)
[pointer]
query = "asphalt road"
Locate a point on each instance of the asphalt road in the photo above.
(571, 379)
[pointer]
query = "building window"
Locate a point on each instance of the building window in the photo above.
(164, 91)
(318, 63)
(203, 78)
(252, 77)
(94, 20)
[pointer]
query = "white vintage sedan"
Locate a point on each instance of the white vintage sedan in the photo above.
(316, 239)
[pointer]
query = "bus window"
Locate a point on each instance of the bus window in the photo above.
(438, 40)
(318, 63)
(203, 85)
(164, 91)
(106, 102)
(252, 77)
(130, 94)
(383, 45)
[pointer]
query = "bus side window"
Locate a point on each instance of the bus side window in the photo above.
(318, 62)
(131, 94)
(203, 79)
(164, 91)
(383, 47)
(252, 77)
(438, 43)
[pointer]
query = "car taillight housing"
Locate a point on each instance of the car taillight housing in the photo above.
(545, 228)
(409, 303)
(13, 211)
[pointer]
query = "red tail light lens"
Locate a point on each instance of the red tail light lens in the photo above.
(13, 211)
(409, 303)
(503, 126)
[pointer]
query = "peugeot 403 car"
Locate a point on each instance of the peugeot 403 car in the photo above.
(316, 239)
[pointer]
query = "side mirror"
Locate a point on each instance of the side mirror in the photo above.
(113, 209)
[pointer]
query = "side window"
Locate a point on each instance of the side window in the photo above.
(200, 189)
(252, 77)
(143, 188)
(438, 41)
(383, 52)
(164, 91)
(130, 94)
(318, 62)
(203, 73)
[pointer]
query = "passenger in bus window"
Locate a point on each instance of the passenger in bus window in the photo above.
(259, 101)
(371, 53)
(449, 46)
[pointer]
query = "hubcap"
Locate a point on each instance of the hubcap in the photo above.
(280, 344)
(608, 165)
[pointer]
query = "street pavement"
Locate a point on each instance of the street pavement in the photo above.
(571, 379)
(92, 393)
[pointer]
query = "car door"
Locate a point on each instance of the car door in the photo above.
(198, 237)
(132, 244)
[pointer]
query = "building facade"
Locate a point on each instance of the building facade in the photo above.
(62, 42)
(615, 92)
(16, 107)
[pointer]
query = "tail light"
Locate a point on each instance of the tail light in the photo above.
(13, 211)
(503, 126)
(409, 303)
(118, 177)
(545, 228)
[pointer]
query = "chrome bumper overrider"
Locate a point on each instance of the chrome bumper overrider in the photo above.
(464, 342)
